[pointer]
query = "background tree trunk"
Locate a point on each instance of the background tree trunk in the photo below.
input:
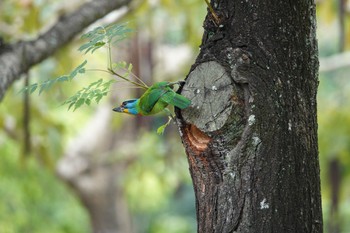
(93, 175)
(251, 132)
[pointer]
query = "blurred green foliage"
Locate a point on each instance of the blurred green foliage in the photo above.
(328, 20)
(334, 115)
(157, 185)
(33, 199)
(334, 140)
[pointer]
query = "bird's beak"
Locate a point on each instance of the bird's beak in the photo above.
(118, 109)
(121, 109)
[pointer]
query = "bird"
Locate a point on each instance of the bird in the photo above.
(155, 99)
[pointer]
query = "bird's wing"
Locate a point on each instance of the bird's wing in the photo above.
(167, 96)
(151, 97)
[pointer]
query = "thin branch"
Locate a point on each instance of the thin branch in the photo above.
(26, 119)
(112, 72)
(128, 80)
(139, 79)
(99, 70)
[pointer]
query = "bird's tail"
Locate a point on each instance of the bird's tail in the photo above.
(180, 101)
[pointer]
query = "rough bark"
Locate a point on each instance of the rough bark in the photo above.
(251, 131)
(18, 58)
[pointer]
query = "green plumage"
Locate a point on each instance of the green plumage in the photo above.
(158, 96)
(155, 100)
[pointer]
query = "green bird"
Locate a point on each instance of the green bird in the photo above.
(154, 100)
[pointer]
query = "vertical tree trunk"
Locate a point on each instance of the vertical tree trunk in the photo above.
(251, 131)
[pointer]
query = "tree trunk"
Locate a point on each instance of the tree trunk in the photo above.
(251, 131)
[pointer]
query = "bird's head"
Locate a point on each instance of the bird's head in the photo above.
(128, 106)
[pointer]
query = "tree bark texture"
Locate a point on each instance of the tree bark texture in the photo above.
(251, 131)
(18, 58)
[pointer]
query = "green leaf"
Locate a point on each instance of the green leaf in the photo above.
(94, 91)
(71, 105)
(93, 32)
(98, 97)
(78, 70)
(117, 32)
(48, 84)
(84, 46)
(63, 78)
(44, 86)
(161, 129)
(130, 67)
(79, 103)
(88, 102)
(100, 36)
(33, 87)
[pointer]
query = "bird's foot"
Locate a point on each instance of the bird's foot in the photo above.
(181, 82)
